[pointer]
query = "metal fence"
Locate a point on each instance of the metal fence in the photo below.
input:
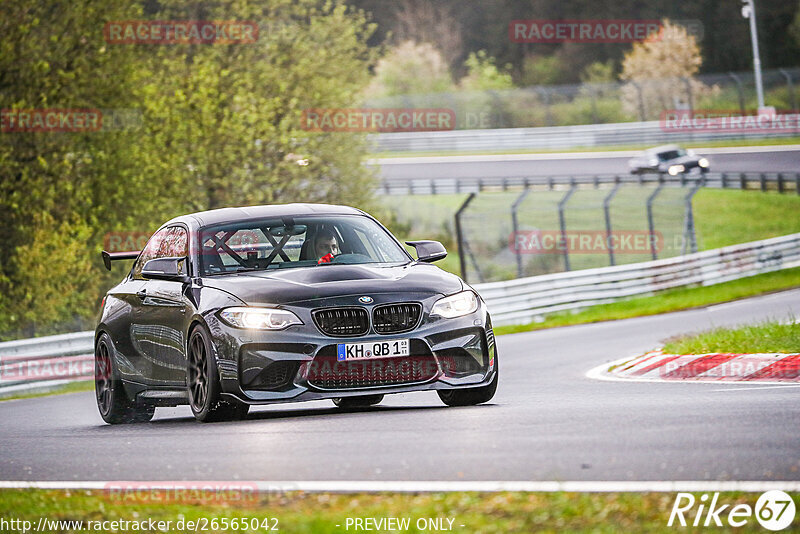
(566, 137)
(566, 227)
(782, 182)
(47, 361)
(530, 299)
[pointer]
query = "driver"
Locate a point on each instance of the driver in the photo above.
(326, 246)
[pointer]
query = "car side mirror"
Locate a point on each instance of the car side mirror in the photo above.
(172, 269)
(428, 251)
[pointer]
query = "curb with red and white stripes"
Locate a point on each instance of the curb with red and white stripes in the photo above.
(657, 366)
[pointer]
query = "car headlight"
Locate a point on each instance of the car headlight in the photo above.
(456, 305)
(259, 318)
(675, 169)
(703, 162)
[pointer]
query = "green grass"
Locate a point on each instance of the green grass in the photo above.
(696, 145)
(83, 385)
(667, 301)
(319, 513)
(771, 336)
(726, 217)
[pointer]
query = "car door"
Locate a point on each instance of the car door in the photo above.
(159, 317)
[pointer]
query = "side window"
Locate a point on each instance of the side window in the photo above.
(167, 242)
(174, 244)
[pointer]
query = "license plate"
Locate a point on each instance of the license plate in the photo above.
(372, 350)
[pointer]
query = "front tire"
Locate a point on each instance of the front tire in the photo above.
(113, 403)
(471, 396)
(203, 383)
(357, 402)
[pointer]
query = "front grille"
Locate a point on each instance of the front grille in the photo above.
(275, 375)
(342, 322)
(325, 372)
(396, 318)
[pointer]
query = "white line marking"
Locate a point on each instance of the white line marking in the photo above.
(358, 486)
(784, 386)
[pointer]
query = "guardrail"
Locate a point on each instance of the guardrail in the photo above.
(782, 182)
(563, 137)
(44, 362)
(527, 299)
(48, 361)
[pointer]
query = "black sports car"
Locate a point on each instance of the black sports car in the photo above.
(233, 307)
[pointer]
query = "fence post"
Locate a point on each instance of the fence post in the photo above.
(607, 215)
(515, 228)
(739, 89)
(690, 100)
(790, 86)
(742, 181)
(562, 223)
(780, 182)
(724, 180)
(763, 180)
(689, 232)
(462, 249)
(650, 223)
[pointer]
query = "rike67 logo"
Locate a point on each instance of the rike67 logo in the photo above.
(774, 510)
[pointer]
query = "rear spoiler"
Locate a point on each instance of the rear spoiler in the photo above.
(108, 257)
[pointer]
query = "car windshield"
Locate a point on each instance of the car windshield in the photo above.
(289, 242)
(672, 154)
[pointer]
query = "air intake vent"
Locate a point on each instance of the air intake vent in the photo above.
(342, 322)
(396, 318)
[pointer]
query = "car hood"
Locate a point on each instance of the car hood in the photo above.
(285, 286)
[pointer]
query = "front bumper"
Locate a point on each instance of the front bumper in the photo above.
(261, 367)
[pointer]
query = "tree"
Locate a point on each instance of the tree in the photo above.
(220, 125)
(423, 21)
(659, 67)
(410, 68)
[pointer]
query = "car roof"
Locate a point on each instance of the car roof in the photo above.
(226, 215)
(663, 148)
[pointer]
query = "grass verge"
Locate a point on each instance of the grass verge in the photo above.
(708, 144)
(668, 301)
(83, 385)
(320, 513)
(770, 336)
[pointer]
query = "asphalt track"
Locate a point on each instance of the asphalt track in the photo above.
(744, 159)
(548, 422)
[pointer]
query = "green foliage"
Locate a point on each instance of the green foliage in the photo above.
(408, 69)
(599, 72)
(484, 75)
(541, 70)
(220, 125)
